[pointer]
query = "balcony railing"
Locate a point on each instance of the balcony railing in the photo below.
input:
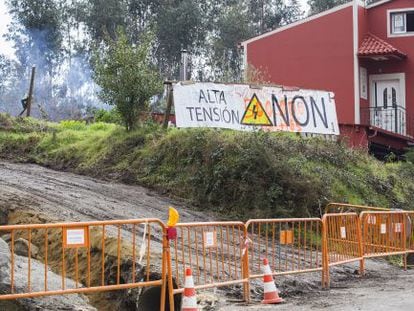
(393, 119)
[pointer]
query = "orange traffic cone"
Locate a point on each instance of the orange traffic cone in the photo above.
(271, 293)
(189, 298)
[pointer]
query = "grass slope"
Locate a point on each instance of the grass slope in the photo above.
(237, 174)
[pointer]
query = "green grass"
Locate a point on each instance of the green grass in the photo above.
(237, 174)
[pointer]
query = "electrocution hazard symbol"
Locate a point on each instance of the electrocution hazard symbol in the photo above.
(255, 114)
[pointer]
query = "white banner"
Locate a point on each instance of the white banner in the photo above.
(241, 107)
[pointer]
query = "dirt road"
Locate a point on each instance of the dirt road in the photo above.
(70, 197)
(384, 287)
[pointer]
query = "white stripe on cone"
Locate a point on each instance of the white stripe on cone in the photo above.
(189, 302)
(267, 270)
(189, 282)
(270, 287)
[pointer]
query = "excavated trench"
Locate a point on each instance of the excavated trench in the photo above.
(144, 299)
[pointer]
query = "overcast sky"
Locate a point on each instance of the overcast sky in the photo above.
(6, 47)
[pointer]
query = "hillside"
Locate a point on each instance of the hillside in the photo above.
(236, 174)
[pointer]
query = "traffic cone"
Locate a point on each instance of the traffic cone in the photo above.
(189, 299)
(271, 293)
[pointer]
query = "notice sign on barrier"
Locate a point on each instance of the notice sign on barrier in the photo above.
(343, 233)
(76, 237)
(383, 228)
(245, 108)
(372, 220)
(398, 227)
(210, 239)
(286, 237)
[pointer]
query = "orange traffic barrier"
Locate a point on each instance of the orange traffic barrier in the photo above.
(292, 245)
(215, 253)
(219, 253)
(410, 232)
(342, 242)
(91, 254)
(271, 293)
(410, 239)
(189, 296)
(384, 233)
(351, 208)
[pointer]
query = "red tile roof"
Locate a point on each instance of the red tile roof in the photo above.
(374, 46)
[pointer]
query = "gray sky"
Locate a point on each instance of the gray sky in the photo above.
(7, 48)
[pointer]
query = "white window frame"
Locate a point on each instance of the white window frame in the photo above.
(389, 23)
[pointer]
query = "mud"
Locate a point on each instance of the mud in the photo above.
(384, 287)
(70, 197)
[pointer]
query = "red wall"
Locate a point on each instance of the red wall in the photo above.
(362, 31)
(377, 23)
(316, 55)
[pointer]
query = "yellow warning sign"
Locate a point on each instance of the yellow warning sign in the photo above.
(255, 114)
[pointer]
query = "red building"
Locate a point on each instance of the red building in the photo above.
(364, 54)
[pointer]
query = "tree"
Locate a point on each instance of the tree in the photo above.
(127, 76)
(179, 26)
(36, 32)
(232, 28)
(267, 15)
(294, 12)
(103, 17)
(317, 6)
(5, 72)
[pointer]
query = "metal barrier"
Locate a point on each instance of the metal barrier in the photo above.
(346, 208)
(384, 233)
(215, 251)
(67, 249)
(409, 261)
(342, 241)
(410, 232)
(291, 245)
(88, 255)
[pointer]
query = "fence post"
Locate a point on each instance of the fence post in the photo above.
(246, 269)
(163, 272)
(404, 234)
(361, 248)
(325, 258)
(168, 272)
(170, 101)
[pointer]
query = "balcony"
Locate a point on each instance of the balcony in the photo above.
(392, 119)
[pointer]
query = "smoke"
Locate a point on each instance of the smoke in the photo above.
(64, 87)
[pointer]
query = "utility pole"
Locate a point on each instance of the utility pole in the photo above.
(30, 96)
(184, 65)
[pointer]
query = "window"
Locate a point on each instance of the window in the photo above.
(402, 22)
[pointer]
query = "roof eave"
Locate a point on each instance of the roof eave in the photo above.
(299, 22)
(395, 55)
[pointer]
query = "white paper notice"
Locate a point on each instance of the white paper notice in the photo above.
(75, 236)
(372, 220)
(343, 233)
(209, 239)
(383, 228)
(398, 227)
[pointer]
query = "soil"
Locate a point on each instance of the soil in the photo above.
(384, 287)
(69, 197)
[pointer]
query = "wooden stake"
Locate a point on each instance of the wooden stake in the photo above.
(30, 97)
(170, 101)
